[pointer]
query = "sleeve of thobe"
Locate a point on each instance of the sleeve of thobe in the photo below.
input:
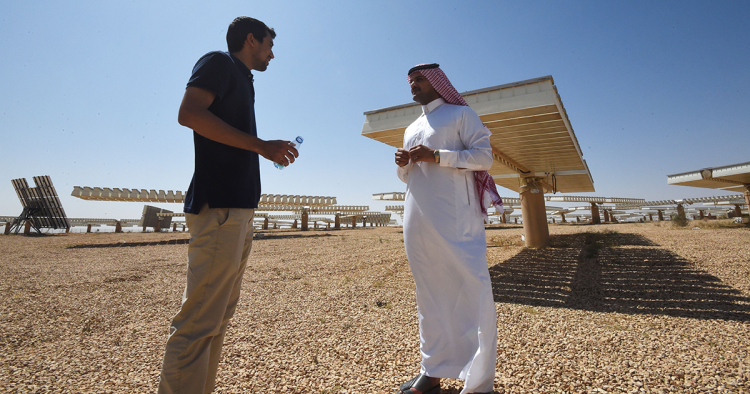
(403, 172)
(476, 138)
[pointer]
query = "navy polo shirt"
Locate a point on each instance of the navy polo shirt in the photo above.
(225, 176)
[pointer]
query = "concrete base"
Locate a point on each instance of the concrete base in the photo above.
(534, 216)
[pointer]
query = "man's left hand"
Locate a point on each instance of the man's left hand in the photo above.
(421, 153)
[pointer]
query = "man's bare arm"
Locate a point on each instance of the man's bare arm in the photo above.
(194, 114)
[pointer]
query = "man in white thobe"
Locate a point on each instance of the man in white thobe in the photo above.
(444, 236)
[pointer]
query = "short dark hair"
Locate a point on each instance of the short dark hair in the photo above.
(241, 27)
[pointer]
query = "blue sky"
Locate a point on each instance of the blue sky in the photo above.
(91, 89)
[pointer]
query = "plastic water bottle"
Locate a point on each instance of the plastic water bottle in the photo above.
(297, 142)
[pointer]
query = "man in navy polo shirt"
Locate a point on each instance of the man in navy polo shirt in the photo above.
(218, 106)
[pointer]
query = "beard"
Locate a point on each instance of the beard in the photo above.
(261, 63)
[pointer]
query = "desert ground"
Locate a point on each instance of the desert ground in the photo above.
(617, 308)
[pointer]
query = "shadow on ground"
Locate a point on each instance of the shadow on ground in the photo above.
(182, 241)
(261, 236)
(615, 272)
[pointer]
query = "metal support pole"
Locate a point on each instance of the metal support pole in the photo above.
(595, 218)
(303, 221)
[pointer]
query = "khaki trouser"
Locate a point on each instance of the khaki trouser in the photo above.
(220, 241)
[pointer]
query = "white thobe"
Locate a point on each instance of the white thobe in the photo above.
(446, 246)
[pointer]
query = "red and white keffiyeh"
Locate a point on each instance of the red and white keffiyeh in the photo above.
(486, 189)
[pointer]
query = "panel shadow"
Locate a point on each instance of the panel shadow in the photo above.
(613, 272)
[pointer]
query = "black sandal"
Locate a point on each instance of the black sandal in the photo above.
(420, 382)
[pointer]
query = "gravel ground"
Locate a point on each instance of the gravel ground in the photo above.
(624, 308)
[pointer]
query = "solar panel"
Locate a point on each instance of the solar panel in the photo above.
(149, 218)
(531, 134)
(734, 177)
(41, 205)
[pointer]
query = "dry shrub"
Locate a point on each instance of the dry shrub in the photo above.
(679, 220)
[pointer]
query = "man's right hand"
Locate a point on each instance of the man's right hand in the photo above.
(402, 157)
(279, 152)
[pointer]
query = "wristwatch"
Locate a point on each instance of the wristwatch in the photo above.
(437, 155)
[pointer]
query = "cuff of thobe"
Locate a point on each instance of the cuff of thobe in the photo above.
(448, 158)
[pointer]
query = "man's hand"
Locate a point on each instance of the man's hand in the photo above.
(279, 152)
(402, 157)
(421, 153)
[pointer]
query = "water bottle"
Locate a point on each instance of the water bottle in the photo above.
(297, 142)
